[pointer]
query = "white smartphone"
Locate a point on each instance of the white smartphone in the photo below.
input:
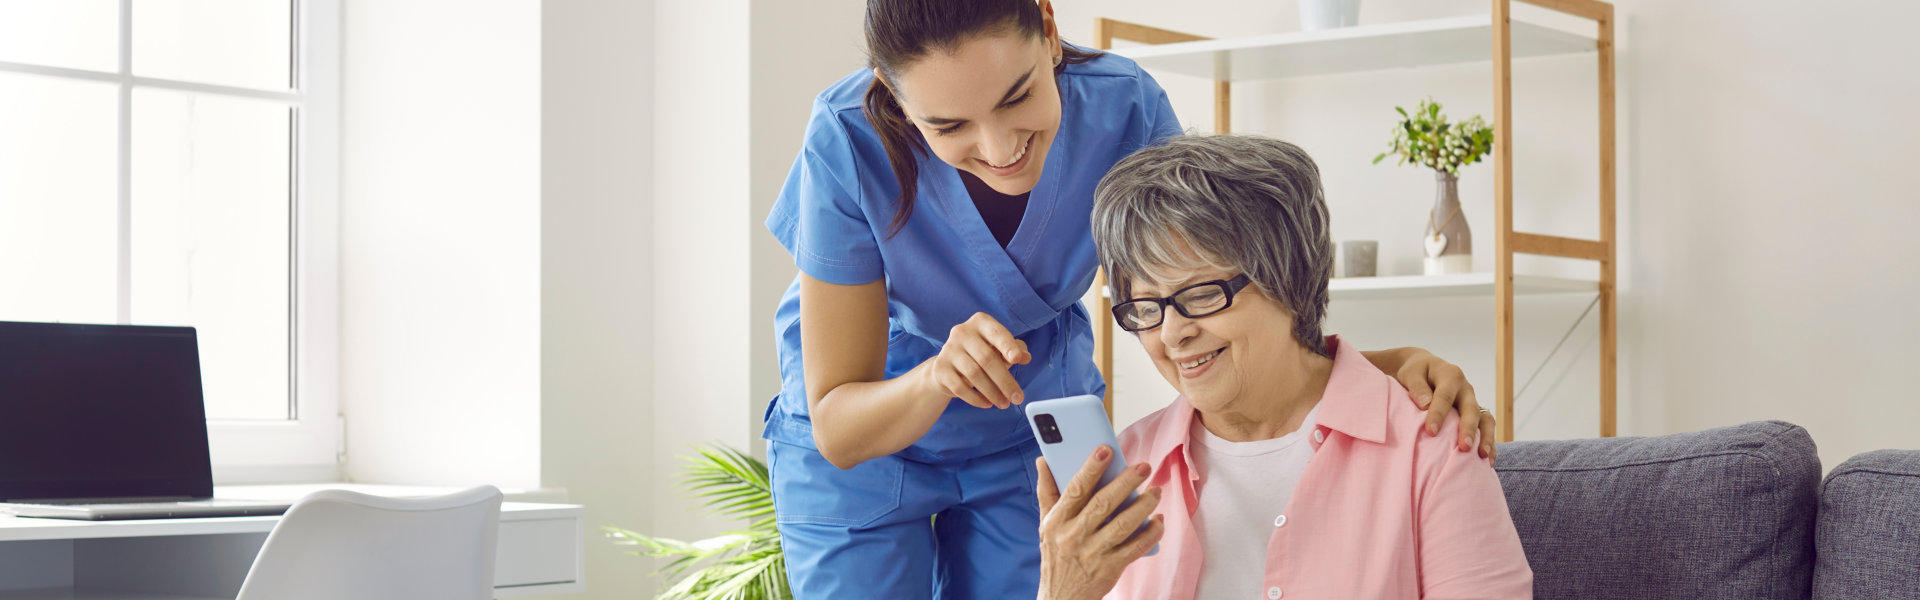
(1069, 430)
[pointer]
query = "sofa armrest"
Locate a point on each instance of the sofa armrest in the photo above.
(1868, 537)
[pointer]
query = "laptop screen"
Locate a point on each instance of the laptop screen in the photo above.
(101, 411)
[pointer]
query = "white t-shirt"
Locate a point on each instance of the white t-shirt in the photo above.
(1245, 489)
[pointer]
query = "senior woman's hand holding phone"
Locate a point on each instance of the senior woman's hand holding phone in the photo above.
(1081, 552)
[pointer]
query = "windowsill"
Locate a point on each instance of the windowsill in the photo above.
(225, 476)
(293, 491)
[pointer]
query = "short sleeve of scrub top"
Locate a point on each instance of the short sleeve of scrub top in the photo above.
(818, 216)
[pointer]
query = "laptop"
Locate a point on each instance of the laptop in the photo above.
(106, 422)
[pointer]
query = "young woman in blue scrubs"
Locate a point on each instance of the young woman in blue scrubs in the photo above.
(939, 214)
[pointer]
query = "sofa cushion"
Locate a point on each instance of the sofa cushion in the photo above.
(1721, 513)
(1869, 531)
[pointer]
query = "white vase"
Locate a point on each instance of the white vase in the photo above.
(1448, 241)
(1316, 15)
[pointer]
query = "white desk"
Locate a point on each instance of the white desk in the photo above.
(540, 551)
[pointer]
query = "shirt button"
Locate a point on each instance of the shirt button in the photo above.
(1280, 521)
(1273, 593)
(1318, 437)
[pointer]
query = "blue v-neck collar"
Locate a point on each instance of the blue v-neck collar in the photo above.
(1024, 303)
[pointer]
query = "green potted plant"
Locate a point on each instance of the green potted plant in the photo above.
(740, 565)
(1425, 137)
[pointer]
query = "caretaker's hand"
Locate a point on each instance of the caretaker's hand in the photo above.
(1081, 553)
(1439, 386)
(974, 364)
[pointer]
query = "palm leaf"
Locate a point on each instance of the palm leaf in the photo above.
(731, 483)
(740, 565)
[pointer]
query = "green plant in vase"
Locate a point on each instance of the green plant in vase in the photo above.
(1425, 137)
(741, 565)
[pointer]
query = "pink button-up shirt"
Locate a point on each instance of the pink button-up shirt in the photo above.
(1383, 510)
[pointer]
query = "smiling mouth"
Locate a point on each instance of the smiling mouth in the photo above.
(1013, 164)
(1204, 359)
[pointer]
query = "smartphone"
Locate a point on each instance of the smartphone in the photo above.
(1069, 429)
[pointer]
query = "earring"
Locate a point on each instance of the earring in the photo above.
(1057, 58)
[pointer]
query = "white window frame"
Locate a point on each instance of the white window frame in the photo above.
(308, 447)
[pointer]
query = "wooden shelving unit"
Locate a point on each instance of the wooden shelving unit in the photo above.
(1411, 45)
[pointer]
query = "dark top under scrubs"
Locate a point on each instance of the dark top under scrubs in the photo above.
(1001, 212)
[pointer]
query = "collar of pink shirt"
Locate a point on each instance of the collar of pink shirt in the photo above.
(1377, 497)
(1354, 404)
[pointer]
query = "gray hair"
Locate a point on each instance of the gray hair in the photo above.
(1246, 203)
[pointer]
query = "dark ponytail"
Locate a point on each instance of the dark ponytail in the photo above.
(901, 31)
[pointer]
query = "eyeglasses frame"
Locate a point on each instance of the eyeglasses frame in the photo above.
(1232, 287)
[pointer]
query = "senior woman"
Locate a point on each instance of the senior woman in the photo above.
(1288, 466)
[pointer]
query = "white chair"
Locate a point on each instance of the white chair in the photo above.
(340, 545)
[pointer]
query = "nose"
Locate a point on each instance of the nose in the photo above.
(1000, 144)
(1176, 328)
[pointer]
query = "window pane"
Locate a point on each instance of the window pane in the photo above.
(246, 43)
(211, 214)
(78, 34)
(59, 200)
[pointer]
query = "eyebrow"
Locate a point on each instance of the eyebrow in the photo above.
(1015, 88)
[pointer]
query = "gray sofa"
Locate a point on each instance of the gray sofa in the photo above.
(1735, 512)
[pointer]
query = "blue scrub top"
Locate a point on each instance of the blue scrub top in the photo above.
(834, 212)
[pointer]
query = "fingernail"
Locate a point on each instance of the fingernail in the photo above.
(1140, 468)
(1433, 429)
(1155, 490)
(1102, 453)
(1018, 398)
(1425, 400)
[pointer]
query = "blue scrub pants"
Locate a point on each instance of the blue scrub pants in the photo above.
(865, 532)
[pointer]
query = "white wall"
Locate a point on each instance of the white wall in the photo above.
(440, 241)
(1762, 268)
(702, 225)
(596, 409)
(1774, 210)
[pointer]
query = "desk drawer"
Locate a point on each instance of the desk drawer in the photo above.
(537, 552)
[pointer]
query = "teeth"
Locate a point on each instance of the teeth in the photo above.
(1200, 361)
(1016, 157)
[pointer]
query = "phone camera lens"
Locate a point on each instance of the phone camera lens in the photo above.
(1049, 430)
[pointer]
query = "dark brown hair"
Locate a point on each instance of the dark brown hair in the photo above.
(900, 32)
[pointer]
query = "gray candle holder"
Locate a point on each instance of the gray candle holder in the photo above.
(1361, 257)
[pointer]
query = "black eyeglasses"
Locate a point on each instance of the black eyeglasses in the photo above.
(1193, 302)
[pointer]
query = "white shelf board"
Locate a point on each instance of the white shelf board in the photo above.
(1450, 286)
(1355, 49)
